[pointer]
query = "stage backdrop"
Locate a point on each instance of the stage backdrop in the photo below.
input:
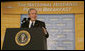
(64, 21)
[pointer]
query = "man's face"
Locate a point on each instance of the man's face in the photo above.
(33, 15)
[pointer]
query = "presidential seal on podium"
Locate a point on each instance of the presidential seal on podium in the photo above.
(22, 38)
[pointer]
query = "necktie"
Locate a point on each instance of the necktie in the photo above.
(32, 25)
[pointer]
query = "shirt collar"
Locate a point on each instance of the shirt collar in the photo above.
(32, 21)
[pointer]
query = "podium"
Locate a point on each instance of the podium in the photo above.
(37, 39)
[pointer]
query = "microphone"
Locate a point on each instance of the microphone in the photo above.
(24, 20)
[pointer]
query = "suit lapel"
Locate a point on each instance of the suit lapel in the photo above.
(36, 24)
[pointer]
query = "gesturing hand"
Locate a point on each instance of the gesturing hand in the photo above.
(44, 30)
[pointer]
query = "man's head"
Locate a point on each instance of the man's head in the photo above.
(32, 14)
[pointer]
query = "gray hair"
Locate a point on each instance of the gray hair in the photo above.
(31, 9)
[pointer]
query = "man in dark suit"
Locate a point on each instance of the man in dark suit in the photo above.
(32, 22)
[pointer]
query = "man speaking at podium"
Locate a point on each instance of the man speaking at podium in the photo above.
(32, 21)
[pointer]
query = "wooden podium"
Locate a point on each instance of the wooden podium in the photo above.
(37, 39)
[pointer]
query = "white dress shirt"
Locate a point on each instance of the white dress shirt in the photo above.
(30, 22)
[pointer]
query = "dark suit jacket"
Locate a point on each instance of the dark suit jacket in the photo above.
(38, 23)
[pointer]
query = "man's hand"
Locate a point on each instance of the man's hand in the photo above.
(44, 30)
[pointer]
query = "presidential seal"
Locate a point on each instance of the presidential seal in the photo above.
(22, 38)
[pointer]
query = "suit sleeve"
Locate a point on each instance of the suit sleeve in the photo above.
(46, 35)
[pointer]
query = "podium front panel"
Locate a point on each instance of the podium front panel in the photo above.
(37, 41)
